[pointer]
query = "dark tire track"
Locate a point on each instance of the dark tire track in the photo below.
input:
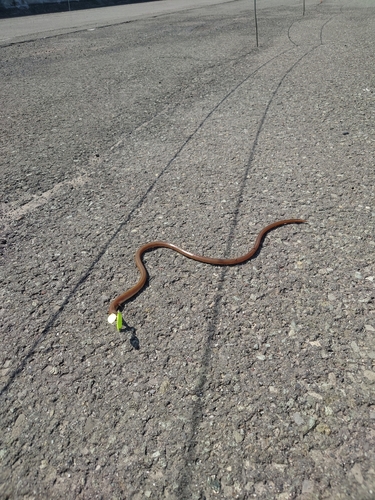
(211, 331)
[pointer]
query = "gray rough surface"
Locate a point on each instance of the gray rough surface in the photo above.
(254, 381)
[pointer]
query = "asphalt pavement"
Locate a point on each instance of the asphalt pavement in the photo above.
(250, 381)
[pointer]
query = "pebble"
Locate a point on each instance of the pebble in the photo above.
(164, 386)
(18, 426)
(43, 464)
(307, 486)
(298, 419)
(293, 328)
(354, 346)
(315, 395)
(332, 379)
(238, 436)
(357, 473)
(315, 343)
(323, 429)
(311, 423)
(214, 484)
(370, 375)
(328, 410)
(89, 425)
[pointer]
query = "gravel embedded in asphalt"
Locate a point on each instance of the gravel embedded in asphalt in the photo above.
(254, 381)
